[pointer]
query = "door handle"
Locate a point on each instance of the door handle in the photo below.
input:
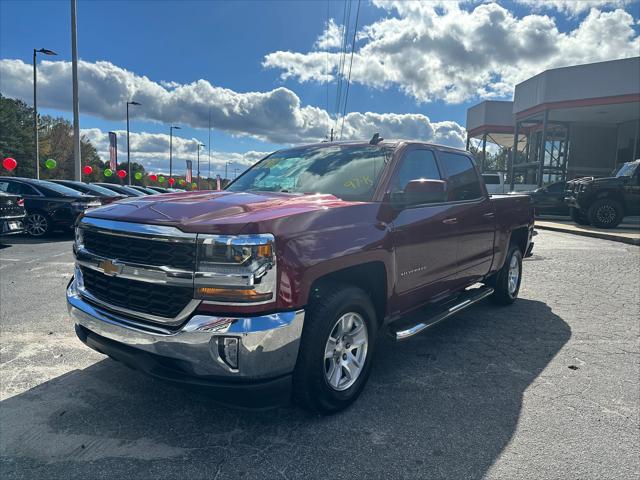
(489, 215)
(450, 221)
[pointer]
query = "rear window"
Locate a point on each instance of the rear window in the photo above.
(464, 183)
(491, 179)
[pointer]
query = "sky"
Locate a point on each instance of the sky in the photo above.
(271, 74)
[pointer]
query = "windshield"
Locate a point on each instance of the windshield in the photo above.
(347, 172)
(627, 169)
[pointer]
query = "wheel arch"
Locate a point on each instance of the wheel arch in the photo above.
(370, 277)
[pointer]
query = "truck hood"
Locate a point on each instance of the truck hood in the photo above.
(206, 212)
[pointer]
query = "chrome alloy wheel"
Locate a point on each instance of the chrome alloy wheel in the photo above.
(514, 275)
(36, 225)
(346, 351)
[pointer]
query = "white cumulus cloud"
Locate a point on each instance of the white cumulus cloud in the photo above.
(442, 51)
(277, 116)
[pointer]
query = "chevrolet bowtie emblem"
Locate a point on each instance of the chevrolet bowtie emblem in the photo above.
(109, 267)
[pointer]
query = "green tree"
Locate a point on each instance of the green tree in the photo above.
(16, 136)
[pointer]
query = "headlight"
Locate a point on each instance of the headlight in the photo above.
(236, 269)
(78, 240)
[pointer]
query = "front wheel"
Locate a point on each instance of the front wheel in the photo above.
(606, 213)
(507, 281)
(336, 349)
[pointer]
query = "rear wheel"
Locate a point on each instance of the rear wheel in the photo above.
(36, 224)
(336, 349)
(606, 213)
(507, 281)
(578, 217)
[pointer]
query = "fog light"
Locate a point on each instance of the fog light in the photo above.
(228, 351)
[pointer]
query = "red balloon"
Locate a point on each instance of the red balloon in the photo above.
(87, 170)
(122, 173)
(172, 181)
(9, 163)
(153, 177)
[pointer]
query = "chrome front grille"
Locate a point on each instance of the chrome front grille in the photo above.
(143, 271)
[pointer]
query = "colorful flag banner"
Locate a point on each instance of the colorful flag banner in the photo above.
(187, 177)
(113, 151)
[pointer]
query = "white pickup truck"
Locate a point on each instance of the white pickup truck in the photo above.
(495, 184)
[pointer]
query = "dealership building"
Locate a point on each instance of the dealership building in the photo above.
(563, 123)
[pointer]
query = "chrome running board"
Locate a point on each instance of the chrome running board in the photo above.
(406, 329)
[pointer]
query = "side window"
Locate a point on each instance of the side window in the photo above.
(4, 186)
(415, 164)
(463, 179)
(21, 189)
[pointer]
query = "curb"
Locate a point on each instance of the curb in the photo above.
(589, 233)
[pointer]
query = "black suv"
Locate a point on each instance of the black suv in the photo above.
(604, 202)
(49, 205)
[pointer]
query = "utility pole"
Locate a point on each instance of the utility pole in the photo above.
(35, 106)
(171, 129)
(209, 144)
(128, 156)
(77, 160)
(198, 168)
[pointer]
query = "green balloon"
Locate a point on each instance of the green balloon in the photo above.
(161, 179)
(107, 172)
(138, 175)
(50, 163)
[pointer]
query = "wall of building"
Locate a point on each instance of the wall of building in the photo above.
(592, 150)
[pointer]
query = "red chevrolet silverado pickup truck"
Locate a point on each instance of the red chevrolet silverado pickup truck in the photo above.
(277, 287)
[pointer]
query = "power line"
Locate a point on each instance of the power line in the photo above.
(353, 45)
(346, 19)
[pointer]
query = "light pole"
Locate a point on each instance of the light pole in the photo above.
(35, 105)
(225, 170)
(171, 129)
(128, 157)
(199, 145)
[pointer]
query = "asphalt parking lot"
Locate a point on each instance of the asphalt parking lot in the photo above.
(546, 388)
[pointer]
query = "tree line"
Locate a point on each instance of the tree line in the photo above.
(56, 142)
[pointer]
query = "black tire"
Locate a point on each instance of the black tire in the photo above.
(578, 216)
(606, 213)
(503, 293)
(311, 388)
(37, 224)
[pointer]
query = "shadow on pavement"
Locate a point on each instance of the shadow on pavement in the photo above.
(24, 239)
(443, 405)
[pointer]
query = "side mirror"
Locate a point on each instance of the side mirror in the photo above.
(420, 191)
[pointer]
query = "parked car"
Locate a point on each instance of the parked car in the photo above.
(159, 189)
(49, 206)
(604, 202)
(120, 189)
(146, 191)
(12, 214)
(549, 200)
(105, 195)
(266, 290)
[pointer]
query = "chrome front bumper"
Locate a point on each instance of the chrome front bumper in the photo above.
(267, 345)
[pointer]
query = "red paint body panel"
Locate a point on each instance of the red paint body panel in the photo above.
(423, 256)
